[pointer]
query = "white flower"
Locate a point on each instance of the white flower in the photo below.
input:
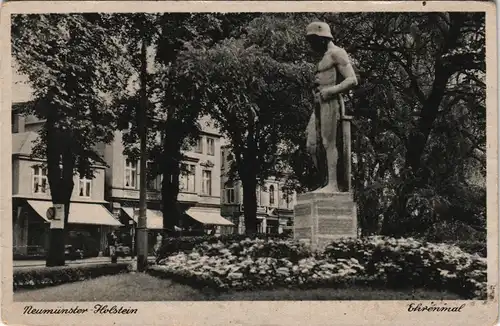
(235, 276)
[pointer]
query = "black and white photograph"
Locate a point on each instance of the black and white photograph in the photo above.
(250, 156)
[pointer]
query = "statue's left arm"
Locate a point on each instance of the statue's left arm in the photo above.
(345, 68)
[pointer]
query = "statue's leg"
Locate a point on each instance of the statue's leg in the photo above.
(311, 143)
(329, 123)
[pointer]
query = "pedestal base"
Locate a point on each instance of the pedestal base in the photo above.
(321, 218)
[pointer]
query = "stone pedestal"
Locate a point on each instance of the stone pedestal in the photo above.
(321, 218)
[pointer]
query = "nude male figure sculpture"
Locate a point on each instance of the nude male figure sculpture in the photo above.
(328, 101)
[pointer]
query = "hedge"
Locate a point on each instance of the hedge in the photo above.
(49, 276)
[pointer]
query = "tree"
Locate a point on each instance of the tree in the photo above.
(66, 60)
(422, 77)
(171, 119)
(257, 93)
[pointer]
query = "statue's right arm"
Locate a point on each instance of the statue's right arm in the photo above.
(345, 68)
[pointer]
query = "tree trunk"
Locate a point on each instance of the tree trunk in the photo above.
(250, 203)
(170, 185)
(60, 166)
(169, 193)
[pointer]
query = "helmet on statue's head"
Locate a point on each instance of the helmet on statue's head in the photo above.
(319, 29)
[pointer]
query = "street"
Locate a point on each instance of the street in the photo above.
(25, 264)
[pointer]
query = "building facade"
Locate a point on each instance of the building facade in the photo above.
(110, 199)
(199, 193)
(88, 217)
(274, 206)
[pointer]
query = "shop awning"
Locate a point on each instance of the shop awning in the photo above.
(154, 219)
(79, 213)
(207, 217)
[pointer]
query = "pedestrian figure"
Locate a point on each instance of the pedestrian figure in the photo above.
(112, 241)
(157, 246)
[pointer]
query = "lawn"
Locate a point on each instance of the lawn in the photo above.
(143, 287)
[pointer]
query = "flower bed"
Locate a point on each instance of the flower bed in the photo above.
(172, 245)
(408, 262)
(251, 263)
(50, 276)
(244, 273)
(386, 262)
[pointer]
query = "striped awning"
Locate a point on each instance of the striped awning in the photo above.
(79, 213)
(154, 218)
(207, 217)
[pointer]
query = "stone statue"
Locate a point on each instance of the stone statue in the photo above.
(329, 106)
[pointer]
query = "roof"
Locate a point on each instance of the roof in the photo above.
(22, 143)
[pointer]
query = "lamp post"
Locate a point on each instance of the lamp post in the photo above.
(142, 231)
(132, 235)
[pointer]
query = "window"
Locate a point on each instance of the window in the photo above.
(230, 198)
(40, 181)
(153, 182)
(187, 178)
(130, 174)
(206, 186)
(210, 146)
(288, 199)
(85, 187)
(271, 195)
(199, 145)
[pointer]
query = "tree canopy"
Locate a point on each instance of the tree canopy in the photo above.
(419, 128)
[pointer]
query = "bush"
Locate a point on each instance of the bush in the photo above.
(473, 247)
(246, 273)
(411, 263)
(50, 276)
(172, 245)
(272, 248)
(454, 231)
(378, 261)
(255, 263)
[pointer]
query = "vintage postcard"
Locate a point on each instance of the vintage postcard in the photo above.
(249, 163)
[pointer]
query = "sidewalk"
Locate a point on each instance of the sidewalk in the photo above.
(21, 264)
